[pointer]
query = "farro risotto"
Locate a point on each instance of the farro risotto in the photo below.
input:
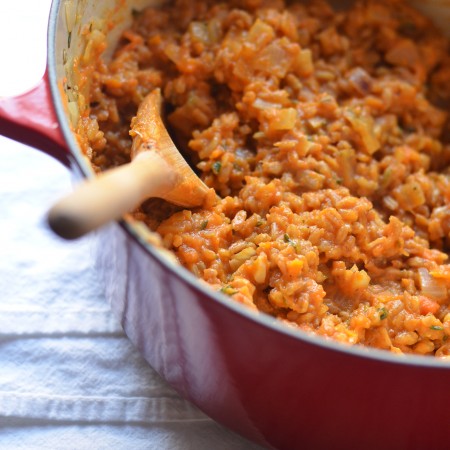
(324, 137)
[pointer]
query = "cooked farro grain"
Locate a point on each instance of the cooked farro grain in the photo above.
(326, 136)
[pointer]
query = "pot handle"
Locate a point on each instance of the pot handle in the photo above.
(30, 118)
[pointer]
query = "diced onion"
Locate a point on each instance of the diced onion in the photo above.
(304, 64)
(285, 119)
(364, 126)
(73, 112)
(199, 32)
(409, 195)
(360, 80)
(261, 33)
(430, 286)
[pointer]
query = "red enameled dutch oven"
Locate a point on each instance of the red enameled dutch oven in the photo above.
(279, 387)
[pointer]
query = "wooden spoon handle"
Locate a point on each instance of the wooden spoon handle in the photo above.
(110, 195)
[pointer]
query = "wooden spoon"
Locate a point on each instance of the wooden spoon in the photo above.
(156, 170)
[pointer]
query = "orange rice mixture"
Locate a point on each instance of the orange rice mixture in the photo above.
(325, 134)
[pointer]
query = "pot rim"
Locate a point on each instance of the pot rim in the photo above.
(260, 318)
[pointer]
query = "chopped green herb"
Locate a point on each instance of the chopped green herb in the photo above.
(135, 13)
(216, 167)
(383, 313)
(69, 39)
(339, 180)
(259, 223)
(291, 242)
(436, 328)
(204, 225)
(228, 290)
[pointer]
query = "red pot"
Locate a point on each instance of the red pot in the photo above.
(279, 387)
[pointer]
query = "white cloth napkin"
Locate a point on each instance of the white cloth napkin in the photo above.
(69, 378)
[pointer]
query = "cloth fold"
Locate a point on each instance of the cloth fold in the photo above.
(59, 408)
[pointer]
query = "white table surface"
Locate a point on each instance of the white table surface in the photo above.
(69, 378)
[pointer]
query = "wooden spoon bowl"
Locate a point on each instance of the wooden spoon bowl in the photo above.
(157, 169)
